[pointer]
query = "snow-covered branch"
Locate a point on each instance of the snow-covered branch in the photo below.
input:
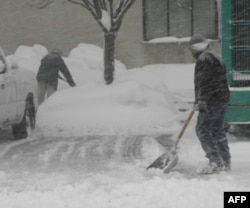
(121, 10)
(108, 18)
(94, 9)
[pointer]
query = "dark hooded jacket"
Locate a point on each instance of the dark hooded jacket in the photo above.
(210, 78)
(50, 66)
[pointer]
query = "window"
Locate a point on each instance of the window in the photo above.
(179, 18)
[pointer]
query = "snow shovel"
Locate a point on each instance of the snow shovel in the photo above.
(169, 159)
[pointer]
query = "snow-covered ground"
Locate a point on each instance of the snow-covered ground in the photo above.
(93, 142)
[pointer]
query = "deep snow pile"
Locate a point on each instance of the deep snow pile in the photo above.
(139, 101)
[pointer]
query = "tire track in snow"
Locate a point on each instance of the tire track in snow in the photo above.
(83, 154)
(132, 148)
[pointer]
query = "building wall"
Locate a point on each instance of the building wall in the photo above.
(65, 25)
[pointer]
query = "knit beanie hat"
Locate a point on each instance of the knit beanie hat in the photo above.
(57, 51)
(198, 42)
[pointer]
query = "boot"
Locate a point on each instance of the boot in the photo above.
(212, 168)
(227, 165)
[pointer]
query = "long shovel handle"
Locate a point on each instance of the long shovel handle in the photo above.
(184, 126)
(61, 78)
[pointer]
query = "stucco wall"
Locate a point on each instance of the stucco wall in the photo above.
(65, 25)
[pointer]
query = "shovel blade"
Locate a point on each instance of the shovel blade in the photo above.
(172, 162)
(158, 162)
(167, 161)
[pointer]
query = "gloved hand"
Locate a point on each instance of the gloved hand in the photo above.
(72, 84)
(201, 106)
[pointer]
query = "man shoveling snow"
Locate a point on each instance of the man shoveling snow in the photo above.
(211, 100)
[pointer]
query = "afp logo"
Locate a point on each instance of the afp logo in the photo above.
(236, 199)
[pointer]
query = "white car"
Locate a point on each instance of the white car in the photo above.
(18, 102)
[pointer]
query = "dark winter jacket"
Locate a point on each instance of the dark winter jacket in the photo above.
(210, 78)
(50, 66)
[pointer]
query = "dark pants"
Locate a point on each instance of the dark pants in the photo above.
(210, 131)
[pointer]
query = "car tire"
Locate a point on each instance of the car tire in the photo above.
(20, 131)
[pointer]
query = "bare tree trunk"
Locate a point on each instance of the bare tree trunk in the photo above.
(109, 58)
(115, 13)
